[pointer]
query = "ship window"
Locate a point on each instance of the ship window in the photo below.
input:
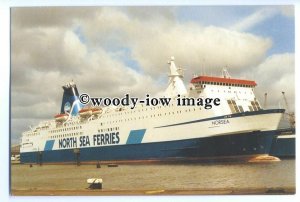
(254, 106)
(257, 105)
(231, 106)
(235, 106)
(241, 108)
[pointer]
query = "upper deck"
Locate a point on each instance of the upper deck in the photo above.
(223, 81)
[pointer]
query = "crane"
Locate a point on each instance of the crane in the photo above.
(291, 115)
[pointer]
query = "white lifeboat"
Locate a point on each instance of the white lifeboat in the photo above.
(61, 117)
(96, 111)
(84, 113)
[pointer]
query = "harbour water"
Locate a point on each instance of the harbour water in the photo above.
(216, 176)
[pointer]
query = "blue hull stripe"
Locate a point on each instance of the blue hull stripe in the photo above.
(236, 145)
(268, 111)
(49, 145)
(136, 136)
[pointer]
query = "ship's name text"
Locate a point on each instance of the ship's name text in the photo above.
(219, 122)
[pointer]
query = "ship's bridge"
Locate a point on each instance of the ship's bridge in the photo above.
(223, 81)
(237, 95)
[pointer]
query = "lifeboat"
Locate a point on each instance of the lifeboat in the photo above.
(61, 117)
(96, 111)
(84, 113)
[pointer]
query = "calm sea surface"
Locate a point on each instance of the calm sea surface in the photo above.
(136, 177)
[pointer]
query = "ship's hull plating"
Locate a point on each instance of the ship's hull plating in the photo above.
(238, 146)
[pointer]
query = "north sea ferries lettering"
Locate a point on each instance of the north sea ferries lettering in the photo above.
(220, 122)
(84, 141)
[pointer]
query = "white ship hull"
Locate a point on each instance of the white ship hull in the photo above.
(237, 135)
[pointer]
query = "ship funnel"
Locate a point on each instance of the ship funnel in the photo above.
(70, 100)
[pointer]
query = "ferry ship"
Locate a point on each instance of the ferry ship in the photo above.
(238, 128)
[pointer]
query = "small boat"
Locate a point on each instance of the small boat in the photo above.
(85, 113)
(61, 117)
(96, 111)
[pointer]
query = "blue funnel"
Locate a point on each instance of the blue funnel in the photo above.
(70, 101)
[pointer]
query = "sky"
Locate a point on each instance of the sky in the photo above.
(110, 51)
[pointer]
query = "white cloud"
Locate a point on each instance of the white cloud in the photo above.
(274, 75)
(152, 42)
(47, 52)
(262, 15)
(254, 19)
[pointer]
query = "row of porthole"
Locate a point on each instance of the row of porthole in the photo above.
(151, 116)
(108, 129)
(66, 135)
(65, 129)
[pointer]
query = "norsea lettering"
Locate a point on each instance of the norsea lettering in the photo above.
(221, 121)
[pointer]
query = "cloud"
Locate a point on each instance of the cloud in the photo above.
(110, 51)
(262, 15)
(274, 75)
(152, 42)
(254, 19)
(47, 17)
